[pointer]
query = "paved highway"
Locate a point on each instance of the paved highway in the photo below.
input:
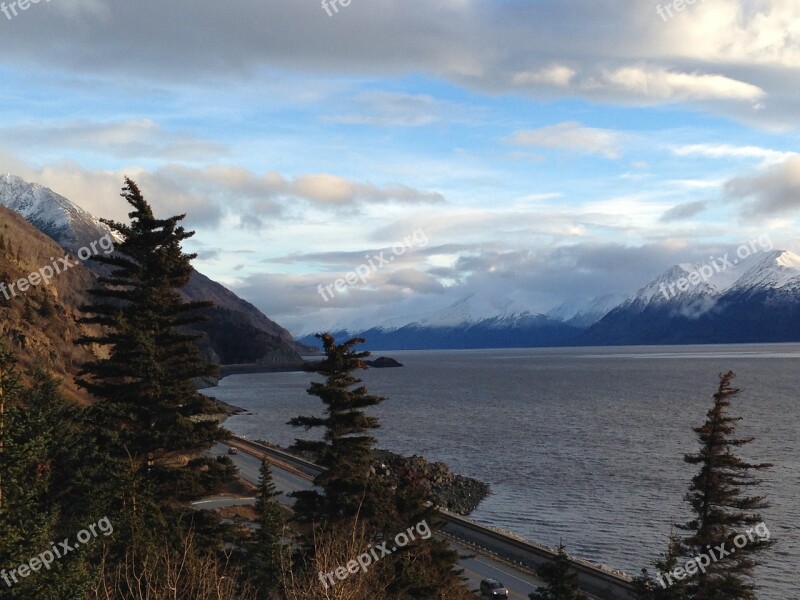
(477, 566)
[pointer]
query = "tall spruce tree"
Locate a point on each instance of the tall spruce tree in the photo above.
(348, 487)
(148, 402)
(722, 508)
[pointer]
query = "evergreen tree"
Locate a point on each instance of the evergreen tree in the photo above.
(264, 551)
(722, 509)
(426, 568)
(44, 496)
(561, 580)
(658, 587)
(353, 495)
(346, 452)
(148, 402)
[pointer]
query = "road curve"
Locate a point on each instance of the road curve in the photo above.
(485, 552)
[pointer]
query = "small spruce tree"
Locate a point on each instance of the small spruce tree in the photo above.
(658, 586)
(561, 580)
(264, 549)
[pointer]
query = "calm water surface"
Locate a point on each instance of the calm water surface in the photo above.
(580, 445)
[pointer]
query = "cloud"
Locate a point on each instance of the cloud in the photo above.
(209, 194)
(656, 83)
(390, 109)
(556, 75)
(683, 211)
(771, 191)
(730, 151)
(713, 54)
(130, 139)
(570, 135)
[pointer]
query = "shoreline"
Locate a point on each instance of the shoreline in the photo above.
(247, 369)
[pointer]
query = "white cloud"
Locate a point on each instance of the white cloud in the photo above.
(731, 151)
(555, 75)
(133, 138)
(657, 83)
(210, 193)
(571, 135)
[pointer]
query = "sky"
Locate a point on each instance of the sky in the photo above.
(527, 152)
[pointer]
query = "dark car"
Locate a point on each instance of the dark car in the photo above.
(232, 450)
(491, 588)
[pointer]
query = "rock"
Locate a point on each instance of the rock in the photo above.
(383, 363)
(456, 493)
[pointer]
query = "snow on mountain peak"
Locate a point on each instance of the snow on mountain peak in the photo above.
(58, 217)
(701, 284)
(789, 259)
(779, 269)
(584, 312)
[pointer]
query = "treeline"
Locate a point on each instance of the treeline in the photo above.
(95, 501)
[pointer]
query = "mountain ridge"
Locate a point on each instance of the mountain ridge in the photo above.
(760, 295)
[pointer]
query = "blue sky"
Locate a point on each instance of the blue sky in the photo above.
(549, 151)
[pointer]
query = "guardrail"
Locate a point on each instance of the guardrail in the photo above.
(305, 467)
(591, 578)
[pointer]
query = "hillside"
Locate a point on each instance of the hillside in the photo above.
(39, 325)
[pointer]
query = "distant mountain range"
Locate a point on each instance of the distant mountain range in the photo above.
(756, 300)
(747, 301)
(237, 333)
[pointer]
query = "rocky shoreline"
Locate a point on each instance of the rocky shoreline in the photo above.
(445, 489)
(455, 493)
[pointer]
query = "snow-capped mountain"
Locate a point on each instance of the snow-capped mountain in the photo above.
(53, 214)
(475, 321)
(753, 300)
(468, 310)
(777, 270)
(584, 313)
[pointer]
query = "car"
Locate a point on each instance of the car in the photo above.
(233, 450)
(491, 588)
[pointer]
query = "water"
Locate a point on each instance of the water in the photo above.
(580, 445)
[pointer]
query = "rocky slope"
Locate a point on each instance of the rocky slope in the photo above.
(39, 325)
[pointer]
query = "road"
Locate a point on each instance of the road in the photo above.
(477, 566)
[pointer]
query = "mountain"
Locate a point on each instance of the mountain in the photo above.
(755, 300)
(461, 326)
(55, 216)
(237, 333)
(585, 313)
(752, 301)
